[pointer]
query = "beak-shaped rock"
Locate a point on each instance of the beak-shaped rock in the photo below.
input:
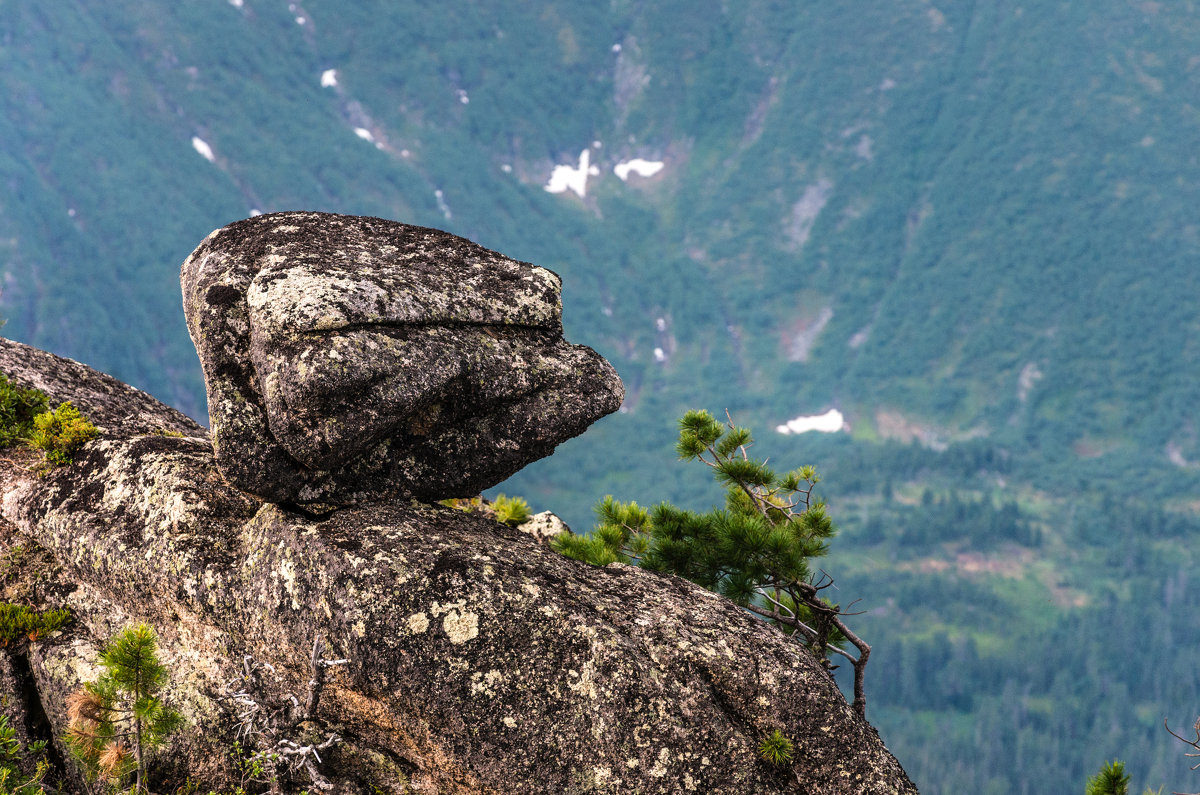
(352, 359)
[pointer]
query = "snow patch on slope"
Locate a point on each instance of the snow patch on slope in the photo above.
(806, 210)
(565, 178)
(831, 421)
(643, 168)
(203, 149)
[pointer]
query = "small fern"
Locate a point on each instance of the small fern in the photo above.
(13, 757)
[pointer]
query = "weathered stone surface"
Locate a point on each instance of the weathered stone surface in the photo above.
(480, 661)
(543, 526)
(347, 358)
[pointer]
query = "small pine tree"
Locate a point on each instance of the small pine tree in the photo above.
(756, 550)
(118, 719)
(1111, 780)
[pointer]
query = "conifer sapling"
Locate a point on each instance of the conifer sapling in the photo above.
(756, 550)
(117, 720)
(1111, 780)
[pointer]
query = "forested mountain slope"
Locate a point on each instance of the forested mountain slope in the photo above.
(967, 226)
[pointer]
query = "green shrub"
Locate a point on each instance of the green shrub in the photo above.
(511, 511)
(18, 407)
(60, 433)
(755, 550)
(19, 623)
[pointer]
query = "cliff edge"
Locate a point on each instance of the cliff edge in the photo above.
(479, 661)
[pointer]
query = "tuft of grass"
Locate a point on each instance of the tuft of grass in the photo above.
(776, 748)
(511, 511)
(60, 433)
(19, 623)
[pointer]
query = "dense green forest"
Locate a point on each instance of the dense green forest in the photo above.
(967, 226)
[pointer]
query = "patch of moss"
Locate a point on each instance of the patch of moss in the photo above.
(776, 748)
(18, 408)
(11, 562)
(61, 432)
(19, 623)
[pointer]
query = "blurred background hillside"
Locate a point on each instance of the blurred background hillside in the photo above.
(970, 228)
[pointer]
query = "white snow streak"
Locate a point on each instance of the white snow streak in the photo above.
(643, 168)
(203, 149)
(831, 421)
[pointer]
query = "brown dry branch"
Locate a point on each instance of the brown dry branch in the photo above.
(269, 724)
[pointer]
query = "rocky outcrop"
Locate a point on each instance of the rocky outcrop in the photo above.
(350, 357)
(544, 526)
(479, 661)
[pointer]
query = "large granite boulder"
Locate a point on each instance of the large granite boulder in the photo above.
(480, 661)
(351, 358)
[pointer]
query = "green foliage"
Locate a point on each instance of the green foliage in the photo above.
(60, 433)
(13, 759)
(19, 623)
(511, 511)
(465, 504)
(776, 748)
(1111, 780)
(117, 720)
(620, 536)
(18, 407)
(755, 551)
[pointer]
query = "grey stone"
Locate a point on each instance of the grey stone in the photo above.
(543, 526)
(480, 660)
(350, 358)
